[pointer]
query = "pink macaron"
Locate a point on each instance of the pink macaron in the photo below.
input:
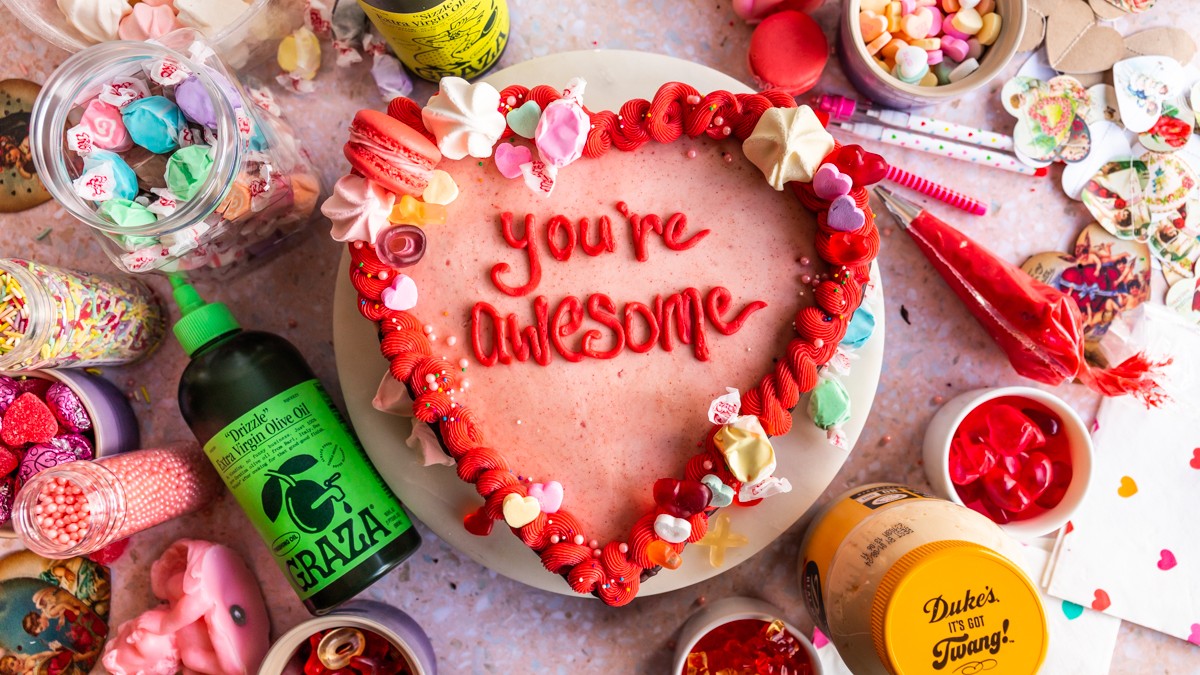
(391, 153)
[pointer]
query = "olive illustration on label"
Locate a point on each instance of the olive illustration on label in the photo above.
(309, 504)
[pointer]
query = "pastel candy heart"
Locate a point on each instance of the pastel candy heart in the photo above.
(668, 528)
(918, 24)
(829, 183)
(968, 4)
(548, 495)
(509, 159)
(1071, 610)
(911, 62)
(401, 295)
(722, 494)
(1100, 600)
(1128, 487)
(844, 215)
(520, 511)
(954, 48)
(524, 120)
(871, 25)
(1166, 560)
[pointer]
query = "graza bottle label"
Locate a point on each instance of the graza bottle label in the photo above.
(305, 483)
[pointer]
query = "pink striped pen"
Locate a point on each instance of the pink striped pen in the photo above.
(938, 192)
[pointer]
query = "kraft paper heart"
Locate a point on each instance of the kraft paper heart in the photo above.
(844, 215)
(829, 183)
(1035, 25)
(1128, 487)
(1143, 84)
(722, 494)
(1166, 560)
(1104, 275)
(401, 295)
(548, 495)
(1107, 11)
(509, 159)
(1075, 43)
(672, 529)
(520, 511)
(523, 120)
(1175, 43)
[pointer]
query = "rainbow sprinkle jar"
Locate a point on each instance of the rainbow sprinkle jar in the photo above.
(56, 318)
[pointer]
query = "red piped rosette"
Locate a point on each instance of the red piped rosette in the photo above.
(613, 571)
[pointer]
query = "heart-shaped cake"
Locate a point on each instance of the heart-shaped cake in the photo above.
(576, 326)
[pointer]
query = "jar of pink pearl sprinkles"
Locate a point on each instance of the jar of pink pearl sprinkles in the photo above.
(80, 507)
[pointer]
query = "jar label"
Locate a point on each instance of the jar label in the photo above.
(460, 38)
(305, 483)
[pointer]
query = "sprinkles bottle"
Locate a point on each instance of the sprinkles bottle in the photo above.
(283, 450)
(56, 318)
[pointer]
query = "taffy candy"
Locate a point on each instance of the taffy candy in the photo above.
(187, 169)
(154, 122)
(197, 104)
(100, 127)
(1010, 459)
(299, 54)
(563, 127)
(747, 449)
(122, 91)
(411, 211)
(209, 16)
(98, 20)
(749, 646)
(105, 176)
(126, 213)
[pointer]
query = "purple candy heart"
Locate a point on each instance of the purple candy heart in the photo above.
(9, 391)
(844, 215)
(41, 457)
(67, 407)
(8, 491)
(75, 444)
(829, 183)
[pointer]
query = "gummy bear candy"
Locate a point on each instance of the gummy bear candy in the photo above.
(411, 211)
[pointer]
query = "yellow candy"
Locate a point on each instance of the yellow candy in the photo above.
(876, 6)
(300, 54)
(893, 17)
(747, 449)
(889, 50)
(968, 21)
(930, 80)
(441, 189)
(721, 537)
(928, 44)
(990, 29)
(878, 43)
(411, 211)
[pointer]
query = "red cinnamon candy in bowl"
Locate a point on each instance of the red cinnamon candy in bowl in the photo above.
(1018, 455)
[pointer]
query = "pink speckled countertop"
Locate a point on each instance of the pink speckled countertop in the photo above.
(512, 628)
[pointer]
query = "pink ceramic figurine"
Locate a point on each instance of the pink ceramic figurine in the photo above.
(214, 621)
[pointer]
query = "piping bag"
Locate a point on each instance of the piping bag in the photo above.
(1039, 327)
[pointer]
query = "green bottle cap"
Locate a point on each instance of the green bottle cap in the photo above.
(201, 322)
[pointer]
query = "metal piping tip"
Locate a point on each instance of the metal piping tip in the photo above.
(901, 209)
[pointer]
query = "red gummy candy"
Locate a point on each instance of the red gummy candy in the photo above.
(1045, 420)
(109, 554)
(9, 460)
(478, 523)
(865, 168)
(1036, 474)
(28, 420)
(681, 498)
(1060, 480)
(1010, 432)
(969, 461)
(1004, 491)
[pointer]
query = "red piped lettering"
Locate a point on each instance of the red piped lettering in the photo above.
(631, 310)
(535, 338)
(718, 302)
(572, 311)
(603, 310)
(526, 243)
(606, 243)
(560, 224)
(498, 351)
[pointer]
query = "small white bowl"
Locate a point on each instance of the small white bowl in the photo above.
(946, 421)
(726, 610)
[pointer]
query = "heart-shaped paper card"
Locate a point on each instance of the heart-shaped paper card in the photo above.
(580, 339)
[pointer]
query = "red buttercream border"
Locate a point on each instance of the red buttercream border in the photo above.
(613, 571)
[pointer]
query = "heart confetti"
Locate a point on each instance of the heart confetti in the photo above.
(1128, 487)
(1071, 610)
(1143, 85)
(1166, 560)
(1101, 601)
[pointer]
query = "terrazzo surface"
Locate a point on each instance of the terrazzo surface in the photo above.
(481, 622)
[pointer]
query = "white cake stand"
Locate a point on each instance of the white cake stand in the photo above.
(439, 499)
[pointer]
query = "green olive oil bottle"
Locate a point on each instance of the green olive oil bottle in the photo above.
(284, 451)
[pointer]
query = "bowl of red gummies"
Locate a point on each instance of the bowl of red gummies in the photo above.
(1018, 455)
(743, 636)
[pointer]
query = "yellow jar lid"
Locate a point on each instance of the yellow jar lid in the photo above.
(956, 607)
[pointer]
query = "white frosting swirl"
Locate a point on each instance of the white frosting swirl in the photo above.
(98, 20)
(358, 208)
(787, 145)
(465, 118)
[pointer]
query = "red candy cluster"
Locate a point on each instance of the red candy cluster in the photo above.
(1010, 459)
(749, 647)
(378, 657)
(42, 424)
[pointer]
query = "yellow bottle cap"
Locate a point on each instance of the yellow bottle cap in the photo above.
(958, 607)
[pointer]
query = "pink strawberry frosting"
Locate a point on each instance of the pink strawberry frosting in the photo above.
(214, 621)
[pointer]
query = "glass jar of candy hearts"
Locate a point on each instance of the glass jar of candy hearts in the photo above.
(164, 155)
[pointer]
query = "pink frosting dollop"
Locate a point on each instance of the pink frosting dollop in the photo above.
(214, 620)
(358, 209)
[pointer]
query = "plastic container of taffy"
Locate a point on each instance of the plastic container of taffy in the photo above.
(52, 317)
(79, 507)
(361, 636)
(238, 32)
(94, 420)
(175, 166)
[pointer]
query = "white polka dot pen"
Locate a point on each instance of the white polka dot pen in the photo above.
(80, 507)
(945, 148)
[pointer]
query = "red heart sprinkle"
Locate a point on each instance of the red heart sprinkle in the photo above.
(1101, 601)
(1195, 463)
(478, 523)
(28, 420)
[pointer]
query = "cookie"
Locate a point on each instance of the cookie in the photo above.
(20, 188)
